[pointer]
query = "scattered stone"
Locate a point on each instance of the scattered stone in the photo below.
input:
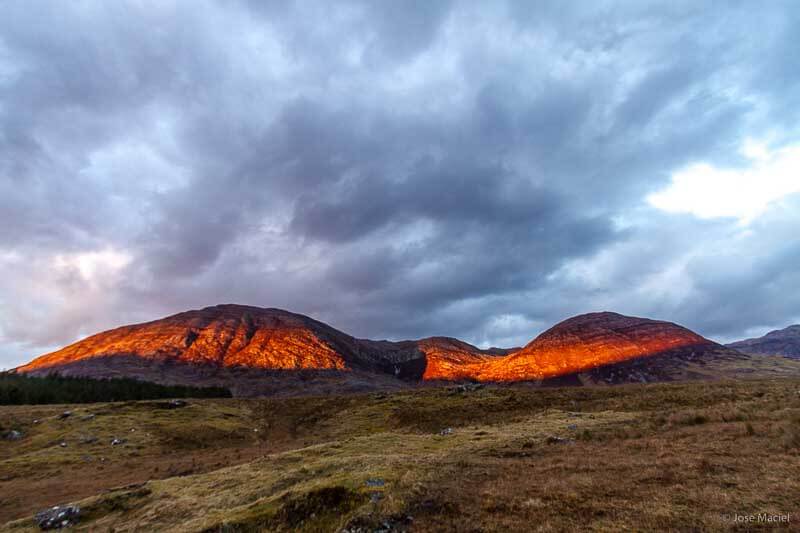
(558, 440)
(466, 387)
(65, 414)
(36, 421)
(13, 435)
(375, 482)
(380, 396)
(116, 442)
(446, 431)
(572, 426)
(171, 404)
(63, 444)
(392, 524)
(58, 517)
(88, 417)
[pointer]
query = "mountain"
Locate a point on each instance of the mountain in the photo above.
(580, 345)
(784, 342)
(250, 349)
(250, 345)
(224, 335)
(257, 351)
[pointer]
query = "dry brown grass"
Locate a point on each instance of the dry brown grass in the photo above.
(646, 457)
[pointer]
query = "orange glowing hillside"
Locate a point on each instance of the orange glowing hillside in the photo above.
(593, 340)
(224, 335)
(226, 343)
(244, 337)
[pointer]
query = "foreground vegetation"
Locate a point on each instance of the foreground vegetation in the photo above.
(19, 389)
(644, 457)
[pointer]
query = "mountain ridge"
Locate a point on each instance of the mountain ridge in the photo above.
(784, 342)
(250, 345)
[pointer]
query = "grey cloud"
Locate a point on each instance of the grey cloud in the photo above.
(398, 170)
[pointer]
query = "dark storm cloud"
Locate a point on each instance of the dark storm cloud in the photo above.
(397, 169)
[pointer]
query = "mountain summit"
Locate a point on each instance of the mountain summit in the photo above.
(595, 340)
(227, 344)
(223, 335)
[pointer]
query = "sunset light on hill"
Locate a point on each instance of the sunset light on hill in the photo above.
(395, 266)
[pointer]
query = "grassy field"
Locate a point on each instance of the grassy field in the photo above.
(643, 457)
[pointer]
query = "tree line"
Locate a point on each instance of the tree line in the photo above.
(18, 389)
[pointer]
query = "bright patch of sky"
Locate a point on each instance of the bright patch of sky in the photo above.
(744, 193)
(93, 266)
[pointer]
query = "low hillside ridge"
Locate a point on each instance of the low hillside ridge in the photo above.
(785, 342)
(259, 351)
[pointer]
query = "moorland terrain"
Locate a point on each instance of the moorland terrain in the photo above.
(603, 422)
(677, 456)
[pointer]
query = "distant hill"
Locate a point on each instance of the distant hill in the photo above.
(256, 351)
(785, 342)
(612, 348)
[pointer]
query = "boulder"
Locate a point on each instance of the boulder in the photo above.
(465, 388)
(13, 435)
(58, 517)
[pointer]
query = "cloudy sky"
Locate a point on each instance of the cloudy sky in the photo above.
(398, 169)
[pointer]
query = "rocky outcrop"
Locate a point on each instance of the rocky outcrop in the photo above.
(58, 517)
(785, 342)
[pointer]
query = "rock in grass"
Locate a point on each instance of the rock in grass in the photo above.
(465, 387)
(558, 440)
(58, 517)
(13, 435)
(65, 414)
